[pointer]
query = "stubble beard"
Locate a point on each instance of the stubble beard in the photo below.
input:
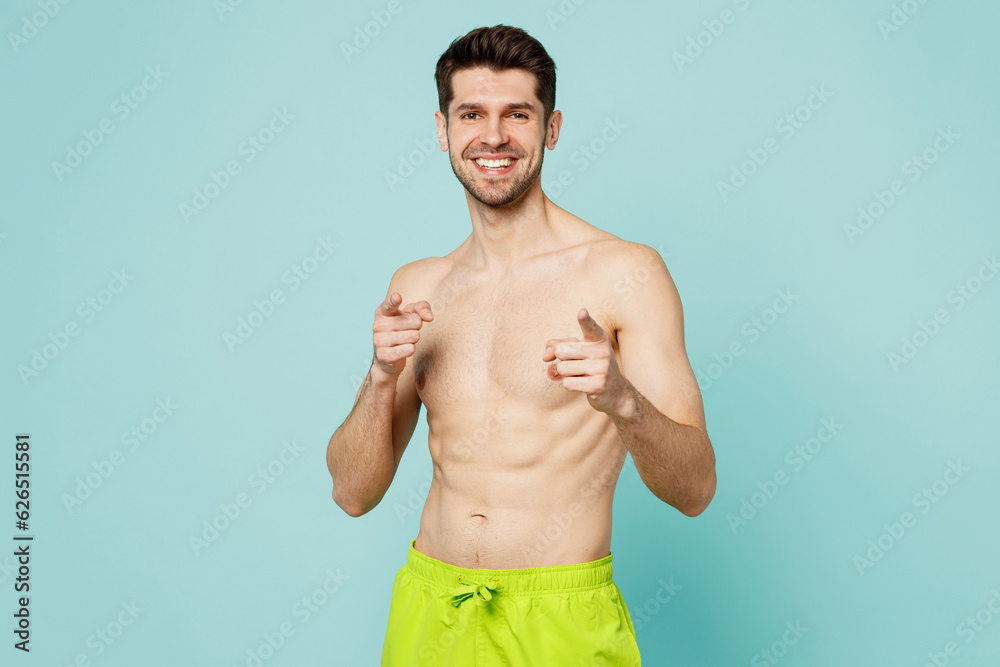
(499, 193)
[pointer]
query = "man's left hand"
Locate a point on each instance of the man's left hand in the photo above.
(588, 366)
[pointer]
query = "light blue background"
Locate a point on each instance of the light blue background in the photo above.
(324, 175)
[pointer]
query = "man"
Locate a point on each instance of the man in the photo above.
(545, 350)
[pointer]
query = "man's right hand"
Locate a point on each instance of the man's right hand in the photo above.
(397, 331)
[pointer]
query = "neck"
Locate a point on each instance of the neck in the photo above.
(503, 236)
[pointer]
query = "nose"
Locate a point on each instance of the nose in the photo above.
(494, 134)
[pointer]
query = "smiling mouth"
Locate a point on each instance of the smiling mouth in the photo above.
(498, 166)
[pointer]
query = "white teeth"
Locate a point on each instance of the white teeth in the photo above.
(494, 164)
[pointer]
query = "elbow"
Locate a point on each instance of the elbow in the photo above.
(701, 502)
(351, 509)
(693, 510)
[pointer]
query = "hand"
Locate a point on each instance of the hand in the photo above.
(588, 366)
(397, 330)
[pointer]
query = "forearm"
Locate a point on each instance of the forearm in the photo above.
(359, 455)
(675, 461)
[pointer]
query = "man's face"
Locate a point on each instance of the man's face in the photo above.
(496, 116)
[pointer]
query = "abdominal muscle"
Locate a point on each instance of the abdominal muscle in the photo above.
(525, 498)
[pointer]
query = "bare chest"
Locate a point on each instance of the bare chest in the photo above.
(487, 340)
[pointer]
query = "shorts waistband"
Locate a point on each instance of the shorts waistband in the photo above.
(514, 581)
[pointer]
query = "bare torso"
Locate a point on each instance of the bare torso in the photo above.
(524, 469)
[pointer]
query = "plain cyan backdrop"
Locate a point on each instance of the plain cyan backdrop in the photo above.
(201, 207)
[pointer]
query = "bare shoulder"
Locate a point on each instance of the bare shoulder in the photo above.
(420, 276)
(607, 251)
(614, 252)
(631, 277)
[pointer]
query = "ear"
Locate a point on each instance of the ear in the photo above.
(552, 129)
(442, 130)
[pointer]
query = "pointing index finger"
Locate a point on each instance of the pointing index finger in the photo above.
(390, 306)
(592, 331)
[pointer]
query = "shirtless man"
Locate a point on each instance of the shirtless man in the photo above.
(544, 350)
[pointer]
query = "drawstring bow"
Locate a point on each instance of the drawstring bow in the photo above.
(482, 592)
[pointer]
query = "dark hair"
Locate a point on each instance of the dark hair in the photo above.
(498, 48)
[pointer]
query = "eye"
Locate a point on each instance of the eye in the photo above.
(471, 113)
(518, 113)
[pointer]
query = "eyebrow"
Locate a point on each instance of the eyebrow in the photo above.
(473, 106)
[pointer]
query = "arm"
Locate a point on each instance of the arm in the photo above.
(364, 452)
(660, 416)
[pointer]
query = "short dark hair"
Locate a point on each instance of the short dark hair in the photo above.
(498, 48)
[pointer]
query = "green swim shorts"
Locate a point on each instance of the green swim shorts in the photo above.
(557, 616)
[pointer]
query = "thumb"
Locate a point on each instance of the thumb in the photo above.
(592, 331)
